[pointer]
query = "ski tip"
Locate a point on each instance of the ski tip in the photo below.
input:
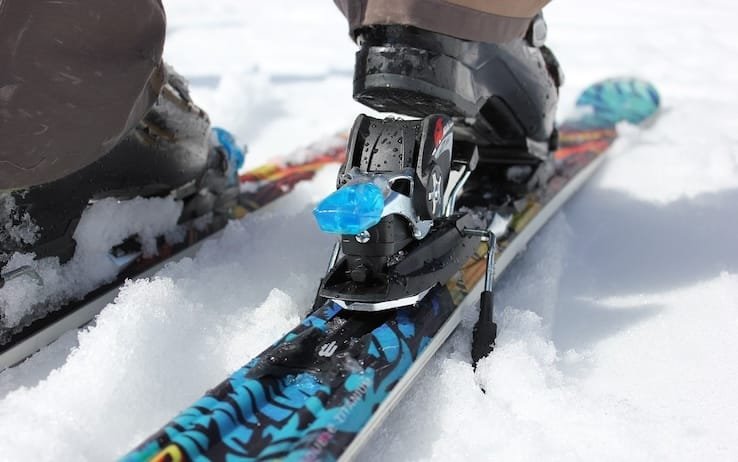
(621, 99)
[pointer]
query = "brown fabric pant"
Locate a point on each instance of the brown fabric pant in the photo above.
(479, 20)
(77, 75)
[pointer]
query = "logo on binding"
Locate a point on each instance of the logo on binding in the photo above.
(328, 349)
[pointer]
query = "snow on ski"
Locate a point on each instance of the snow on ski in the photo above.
(259, 187)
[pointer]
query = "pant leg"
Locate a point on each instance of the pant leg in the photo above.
(75, 76)
(494, 21)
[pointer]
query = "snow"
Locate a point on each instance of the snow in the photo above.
(618, 328)
(104, 225)
(18, 227)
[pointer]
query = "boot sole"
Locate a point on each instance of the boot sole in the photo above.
(409, 81)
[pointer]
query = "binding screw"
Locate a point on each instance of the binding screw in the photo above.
(363, 237)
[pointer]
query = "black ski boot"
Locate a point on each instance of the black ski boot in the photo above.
(502, 96)
(171, 152)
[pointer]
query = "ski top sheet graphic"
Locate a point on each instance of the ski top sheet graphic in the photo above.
(310, 394)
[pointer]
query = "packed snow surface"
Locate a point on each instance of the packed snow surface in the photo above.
(618, 328)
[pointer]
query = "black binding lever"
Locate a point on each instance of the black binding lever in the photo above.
(485, 330)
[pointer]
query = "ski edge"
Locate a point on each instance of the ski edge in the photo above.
(516, 246)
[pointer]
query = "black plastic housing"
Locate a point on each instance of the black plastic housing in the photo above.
(424, 264)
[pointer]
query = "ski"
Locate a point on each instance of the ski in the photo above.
(258, 188)
(320, 391)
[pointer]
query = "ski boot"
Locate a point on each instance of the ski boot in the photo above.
(172, 152)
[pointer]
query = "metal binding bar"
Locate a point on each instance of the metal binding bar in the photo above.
(24, 270)
(451, 204)
(491, 240)
(334, 255)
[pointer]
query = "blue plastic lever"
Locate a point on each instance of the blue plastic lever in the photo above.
(352, 209)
